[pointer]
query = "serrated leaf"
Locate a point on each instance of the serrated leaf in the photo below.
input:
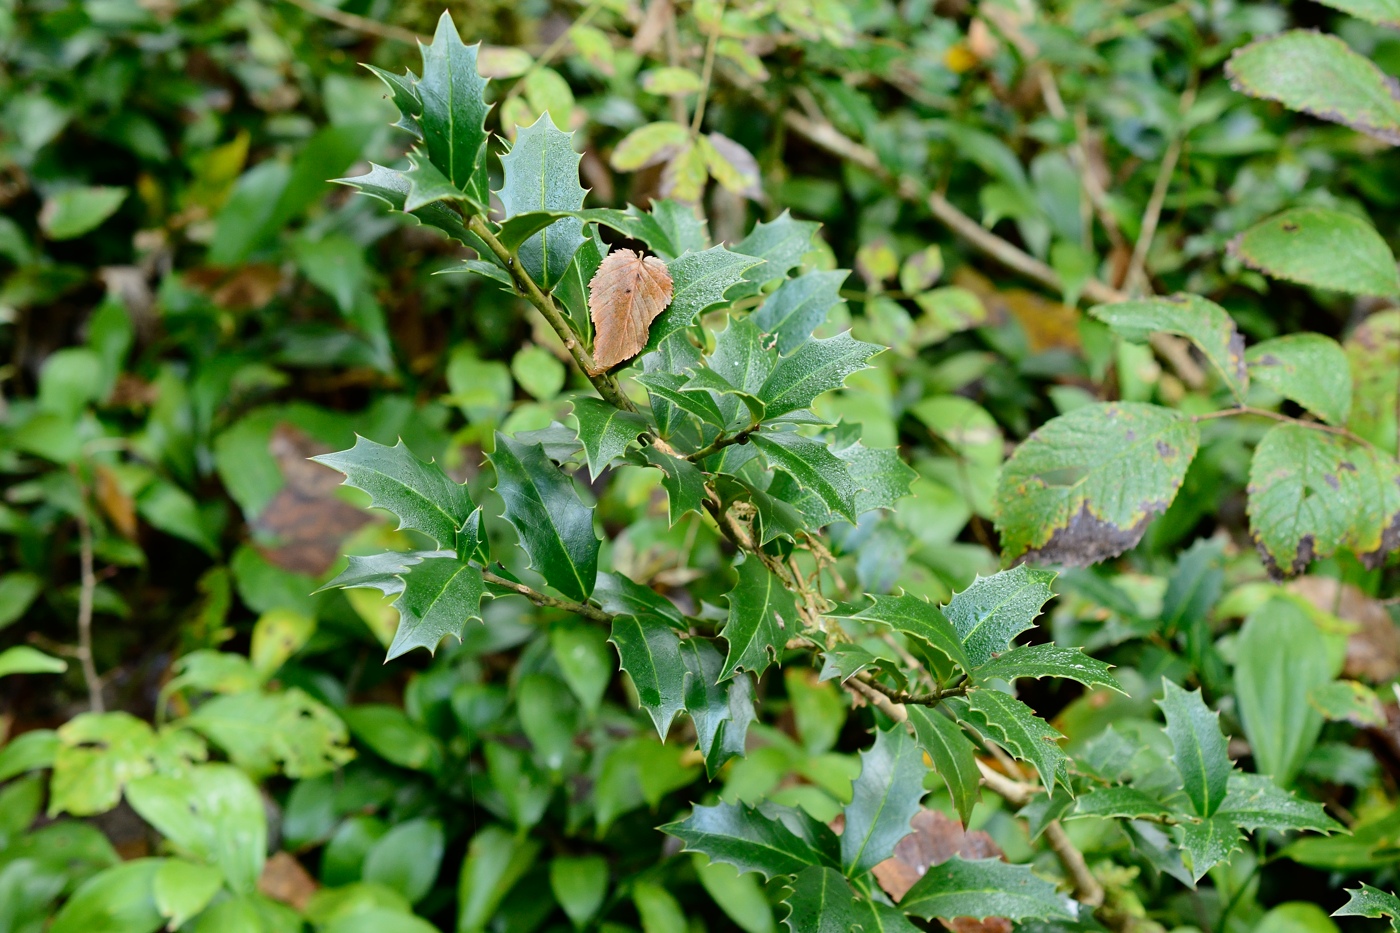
(393, 188)
(884, 798)
(721, 712)
(1373, 349)
(993, 610)
(381, 572)
(540, 173)
(913, 616)
(555, 527)
(1309, 369)
(1322, 248)
(427, 185)
(621, 596)
(781, 243)
(741, 836)
(1083, 487)
(1201, 321)
(650, 652)
(744, 363)
(419, 494)
(1119, 802)
(1255, 802)
(625, 295)
(1012, 725)
(844, 661)
(952, 754)
(404, 89)
(799, 306)
(1198, 748)
(606, 431)
(820, 901)
(454, 110)
(1049, 660)
(1319, 75)
(1367, 901)
(683, 482)
(982, 888)
(1348, 701)
(881, 476)
(674, 389)
(815, 367)
(1208, 843)
(774, 517)
(700, 281)
(762, 616)
(472, 543)
(813, 466)
(572, 290)
(1380, 12)
(440, 596)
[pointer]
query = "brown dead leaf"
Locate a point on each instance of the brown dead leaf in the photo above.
(248, 288)
(1048, 324)
(1373, 650)
(626, 294)
(306, 517)
(119, 507)
(284, 879)
(934, 839)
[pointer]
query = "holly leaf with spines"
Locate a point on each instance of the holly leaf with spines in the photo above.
(1309, 369)
(843, 661)
(819, 900)
(1198, 748)
(1084, 486)
(650, 652)
(392, 187)
(572, 289)
(422, 496)
(812, 466)
(620, 595)
(453, 120)
(1049, 660)
(1012, 725)
(555, 527)
(881, 477)
(781, 244)
(673, 356)
(762, 616)
(672, 387)
(912, 616)
(404, 89)
(743, 362)
(472, 543)
(1199, 320)
(440, 596)
(816, 366)
(1207, 843)
(727, 397)
(1119, 802)
(994, 610)
(382, 572)
(954, 759)
(541, 173)
(773, 517)
(982, 888)
(740, 835)
(798, 307)
(699, 281)
(426, 184)
(884, 798)
(1254, 801)
(682, 480)
(721, 712)
(605, 431)
(1367, 901)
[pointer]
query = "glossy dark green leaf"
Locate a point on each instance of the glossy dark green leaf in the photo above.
(454, 110)
(816, 366)
(762, 617)
(650, 652)
(699, 281)
(1012, 725)
(1119, 802)
(1367, 901)
(844, 661)
(953, 756)
(541, 173)
(912, 616)
(420, 494)
(813, 466)
(682, 480)
(619, 595)
(821, 901)
(404, 89)
(743, 361)
(427, 184)
(882, 478)
(739, 835)
(1253, 801)
(1207, 843)
(883, 800)
(721, 711)
(781, 243)
(1199, 747)
(982, 888)
(406, 859)
(555, 527)
(441, 595)
(1049, 660)
(994, 610)
(798, 307)
(673, 388)
(393, 187)
(606, 431)
(1201, 321)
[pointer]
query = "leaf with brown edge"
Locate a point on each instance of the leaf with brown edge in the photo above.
(627, 293)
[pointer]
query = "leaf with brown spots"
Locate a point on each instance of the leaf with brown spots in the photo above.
(627, 293)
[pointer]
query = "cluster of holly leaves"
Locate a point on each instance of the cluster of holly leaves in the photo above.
(719, 401)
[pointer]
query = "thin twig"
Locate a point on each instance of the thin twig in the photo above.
(707, 71)
(1137, 266)
(86, 592)
(932, 698)
(1286, 419)
(721, 442)
(591, 613)
(359, 23)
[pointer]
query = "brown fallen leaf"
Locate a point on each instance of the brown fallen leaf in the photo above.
(284, 879)
(1373, 650)
(307, 520)
(626, 294)
(935, 839)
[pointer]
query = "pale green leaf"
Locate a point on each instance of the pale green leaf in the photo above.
(1309, 369)
(1321, 247)
(75, 211)
(1203, 322)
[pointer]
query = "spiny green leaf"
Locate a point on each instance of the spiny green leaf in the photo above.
(1203, 322)
(683, 482)
(572, 290)
(1309, 369)
(1120, 802)
(820, 901)
(1321, 247)
(1254, 801)
(762, 617)
(741, 836)
(742, 360)
(1367, 901)
(555, 527)
(1011, 724)
(913, 616)
(993, 610)
(697, 402)
(420, 494)
(1199, 748)
(774, 517)
(440, 596)
(813, 466)
(799, 306)
(427, 185)
(650, 652)
(883, 800)
(1049, 660)
(1083, 487)
(815, 367)
(606, 431)
(472, 543)
(621, 596)
(882, 478)
(382, 572)
(541, 173)
(393, 188)
(982, 888)
(781, 244)
(721, 712)
(699, 282)
(1208, 843)
(844, 661)
(454, 110)
(404, 89)
(954, 759)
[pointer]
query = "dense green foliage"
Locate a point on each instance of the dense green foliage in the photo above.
(880, 601)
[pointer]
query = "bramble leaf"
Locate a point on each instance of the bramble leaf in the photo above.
(555, 527)
(1049, 660)
(762, 616)
(1380, 12)
(1198, 746)
(1201, 321)
(540, 173)
(419, 494)
(1309, 369)
(1083, 487)
(883, 800)
(606, 431)
(650, 652)
(982, 888)
(440, 596)
(739, 835)
(1321, 247)
(993, 610)
(954, 759)
(627, 292)
(815, 367)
